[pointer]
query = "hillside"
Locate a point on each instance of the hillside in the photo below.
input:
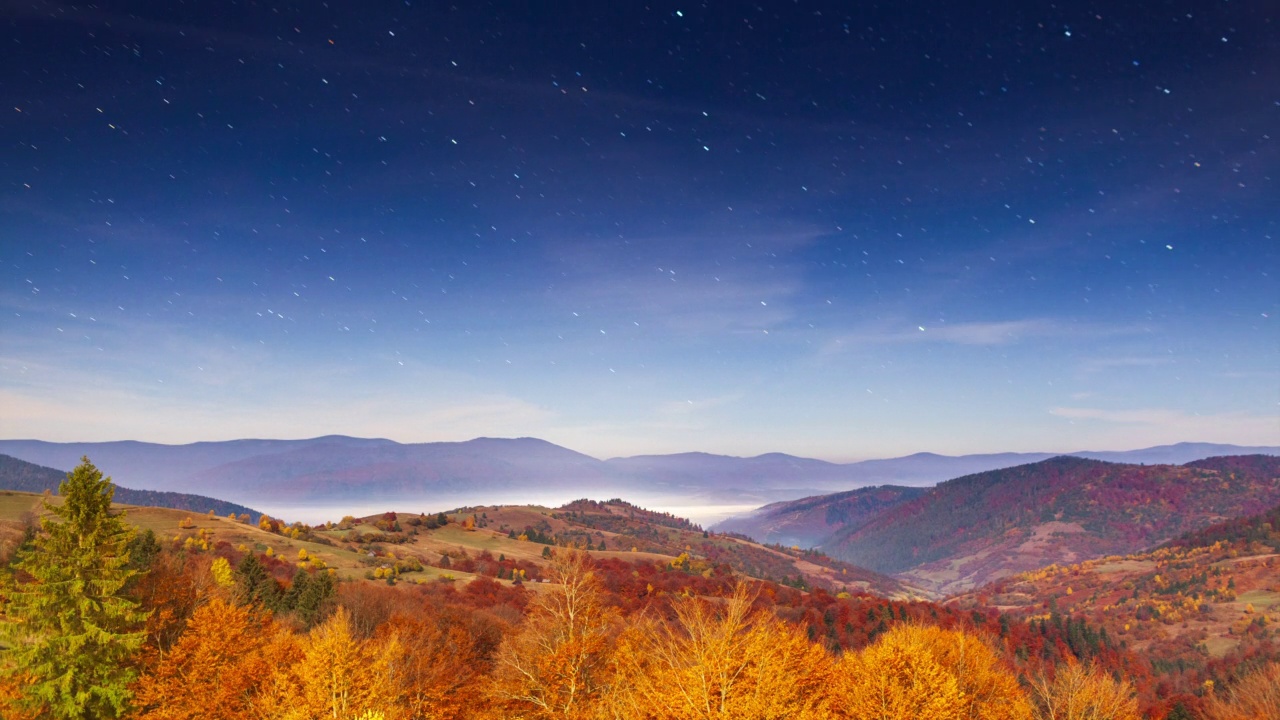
(494, 541)
(16, 474)
(1202, 602)
(809, 522)
(978, 528)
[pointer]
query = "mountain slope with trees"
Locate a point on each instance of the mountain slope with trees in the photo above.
(809, 522)
(1203, 606)
(974, 529)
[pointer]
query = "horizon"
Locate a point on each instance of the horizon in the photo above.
(850, 233)
(706, 509)
(712, 453)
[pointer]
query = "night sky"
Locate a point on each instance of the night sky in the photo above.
(840, 230)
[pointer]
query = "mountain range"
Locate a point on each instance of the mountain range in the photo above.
(336, 469)
(981, 527)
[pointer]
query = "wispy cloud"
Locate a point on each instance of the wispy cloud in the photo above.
(688, 284)
(1161, 425)
(1003, 332)
(1095, 365)
(681, 408)
(132, 416)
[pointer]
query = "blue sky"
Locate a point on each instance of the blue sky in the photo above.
(794, 228)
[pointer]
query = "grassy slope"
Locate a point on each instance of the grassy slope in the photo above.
(634, 537)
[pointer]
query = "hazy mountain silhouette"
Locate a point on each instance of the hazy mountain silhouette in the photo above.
(338, 468)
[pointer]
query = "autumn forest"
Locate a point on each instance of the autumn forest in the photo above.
(593, 610)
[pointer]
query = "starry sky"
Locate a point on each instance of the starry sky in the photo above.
(840, 230)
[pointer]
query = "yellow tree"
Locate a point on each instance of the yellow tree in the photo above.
(891, 680)
(342, 675)
(990, 691)
(926, 673)
(556, 666)
(718, 661)
(1079, 692)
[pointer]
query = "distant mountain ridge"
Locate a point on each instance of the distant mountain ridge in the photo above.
(340, 469)
(23, 476)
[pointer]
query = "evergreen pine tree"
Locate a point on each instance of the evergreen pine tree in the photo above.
(297, 587)
(311, 602)
(75, 631)
(253, 584)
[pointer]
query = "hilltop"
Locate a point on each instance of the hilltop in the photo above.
(975, 529)
(490, 541)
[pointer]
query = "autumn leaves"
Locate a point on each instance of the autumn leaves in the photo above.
(723, 659)
(106, 624)
(573, 657)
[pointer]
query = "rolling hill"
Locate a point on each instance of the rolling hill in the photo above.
(489, 541)
(978, 528)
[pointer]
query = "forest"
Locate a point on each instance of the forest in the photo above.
(103, 620)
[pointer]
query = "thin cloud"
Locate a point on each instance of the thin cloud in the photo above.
(981, 334)
(1161, 425)
(694, 407)
(1096, 365)
(398, 418)
(677, 283)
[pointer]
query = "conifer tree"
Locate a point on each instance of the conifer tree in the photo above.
(75, 630)
(253, 584)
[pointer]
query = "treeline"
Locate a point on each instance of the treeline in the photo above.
(1263, 528)
(601, 515)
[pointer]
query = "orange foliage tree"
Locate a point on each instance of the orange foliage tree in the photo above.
(217, 666)
(171, 591)
(718, 660)
(438, 670)
(556, 666)
(926, 673)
